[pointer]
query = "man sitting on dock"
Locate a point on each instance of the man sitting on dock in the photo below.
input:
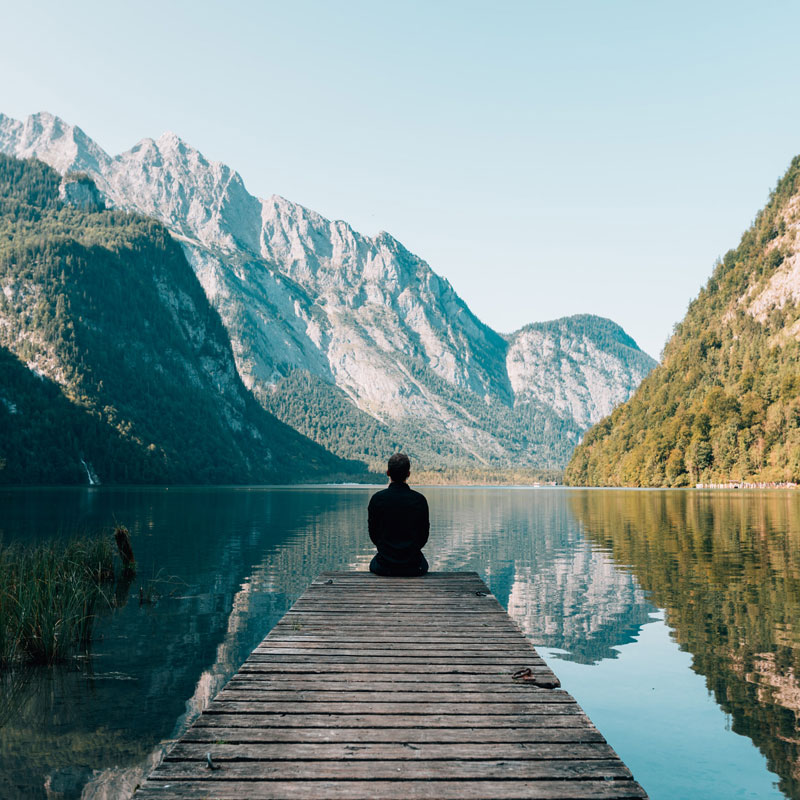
(398, 524)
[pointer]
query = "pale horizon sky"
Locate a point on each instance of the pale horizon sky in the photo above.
(547, 158)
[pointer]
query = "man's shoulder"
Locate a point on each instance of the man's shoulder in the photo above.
(418, 496)
(378, 496)
(395, 494)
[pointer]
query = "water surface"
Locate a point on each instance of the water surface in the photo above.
(671, 616)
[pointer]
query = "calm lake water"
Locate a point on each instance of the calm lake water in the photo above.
(673, 617)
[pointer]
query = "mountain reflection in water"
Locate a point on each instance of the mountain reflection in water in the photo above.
(726, 568)
(552, 557)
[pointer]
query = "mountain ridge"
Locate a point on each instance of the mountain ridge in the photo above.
(373, 321)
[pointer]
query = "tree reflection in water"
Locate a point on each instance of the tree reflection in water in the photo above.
(726, 568)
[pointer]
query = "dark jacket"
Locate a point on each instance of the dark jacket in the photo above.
(399, 523)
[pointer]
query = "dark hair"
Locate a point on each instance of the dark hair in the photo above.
(399, 467)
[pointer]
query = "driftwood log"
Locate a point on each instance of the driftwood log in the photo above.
(123, 539)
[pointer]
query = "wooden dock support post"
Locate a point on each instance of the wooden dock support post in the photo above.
(393, 689)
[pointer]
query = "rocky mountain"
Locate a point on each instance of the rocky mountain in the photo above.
(113, 365)
(724, 405)
(350, 339)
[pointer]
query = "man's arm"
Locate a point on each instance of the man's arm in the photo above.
(372, 521)
(425, 524)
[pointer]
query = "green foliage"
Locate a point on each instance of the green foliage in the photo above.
(147, 389)
(485, 476)
(605, 333)
(323, 413)
(48, 597)
(43, 435)
(725, 402)
(536, 437)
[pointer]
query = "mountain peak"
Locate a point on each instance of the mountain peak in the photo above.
(591, 326)
(48, 137)
(171, 142)
(44, 120)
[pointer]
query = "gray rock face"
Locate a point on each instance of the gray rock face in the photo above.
(590, 366)
(80, 191)
(361, 315)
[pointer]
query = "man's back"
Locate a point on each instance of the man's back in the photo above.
(399, 525)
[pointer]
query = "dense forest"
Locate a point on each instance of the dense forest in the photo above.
(724, 405)
(540, 440)
(113, 363)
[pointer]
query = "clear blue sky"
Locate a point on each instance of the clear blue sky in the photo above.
(547, 158)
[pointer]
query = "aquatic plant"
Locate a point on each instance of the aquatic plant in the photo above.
(49, 595)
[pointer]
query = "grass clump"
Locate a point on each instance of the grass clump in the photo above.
(49, 594)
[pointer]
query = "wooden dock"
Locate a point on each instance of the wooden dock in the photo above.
(393, 689)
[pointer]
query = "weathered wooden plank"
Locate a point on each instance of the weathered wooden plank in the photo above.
(342, 646)
(257, 690)
(374, 633)
(370, 644)
(571, 715)
(424, 625)
(447, 668)
(270, 682)
(483, 751)
(412, 588)
(430, 581)
(354, 622)
(406, 620)
(406, 594)
(411, 618)
(432, 709)
(374, 582)
(346, 574)
(486, 605)
(398, 633)
(196, 769)
(511, 660)
(394, 790)
(400, 625)
(433, 603)
(387, 606)
(371, 595)
(550, 729)
(367, 642)
(419, 678)
(431, 655)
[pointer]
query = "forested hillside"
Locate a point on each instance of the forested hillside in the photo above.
(113, 363)
(532, 438)
(725, 402)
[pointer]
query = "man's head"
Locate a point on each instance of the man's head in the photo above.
(399, 467)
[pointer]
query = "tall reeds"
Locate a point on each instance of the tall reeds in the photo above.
(49, 596)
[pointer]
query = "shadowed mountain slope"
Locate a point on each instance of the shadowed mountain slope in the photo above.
(114, 367)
